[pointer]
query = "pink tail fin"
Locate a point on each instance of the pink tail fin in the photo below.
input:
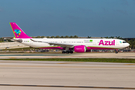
(17, 31)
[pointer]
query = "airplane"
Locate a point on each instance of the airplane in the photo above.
(67, 45)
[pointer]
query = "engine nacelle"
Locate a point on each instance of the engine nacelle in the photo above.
(80, 48)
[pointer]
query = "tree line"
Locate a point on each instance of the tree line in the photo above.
(132, 43)
(75, 36)
(5, 40)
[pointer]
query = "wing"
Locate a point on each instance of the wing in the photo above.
(58, 44)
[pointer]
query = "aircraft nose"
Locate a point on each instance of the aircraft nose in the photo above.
(128, 44)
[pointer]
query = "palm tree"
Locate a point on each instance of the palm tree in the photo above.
(75, 36)
(52, 36)
(38, 37)
(111, 37)
(118, 37)
(89, 37)
(62, 37)
(66, 36)
(47, 36)
(132, 43)
(57, 37)
(71, 37)
(42, 36)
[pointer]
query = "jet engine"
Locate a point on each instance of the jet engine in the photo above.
(80, 48)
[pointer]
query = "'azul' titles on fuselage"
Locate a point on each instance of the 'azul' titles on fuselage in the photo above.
(107, 43)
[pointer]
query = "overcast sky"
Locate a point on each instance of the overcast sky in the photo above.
(95, 18)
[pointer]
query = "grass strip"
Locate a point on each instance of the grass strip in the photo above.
(115, 60)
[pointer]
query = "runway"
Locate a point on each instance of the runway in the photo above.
(52, 75)
(75, 55)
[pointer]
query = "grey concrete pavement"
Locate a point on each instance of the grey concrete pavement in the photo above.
(75, 55)
(66, 74)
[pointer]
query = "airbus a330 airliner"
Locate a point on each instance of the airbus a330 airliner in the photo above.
(67, 45)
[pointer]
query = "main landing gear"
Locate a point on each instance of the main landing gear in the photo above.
(116, 51)
(67, 51)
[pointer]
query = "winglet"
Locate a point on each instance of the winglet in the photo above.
(17, 31)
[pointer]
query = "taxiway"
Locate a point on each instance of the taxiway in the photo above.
(75, 55)
(52, 75)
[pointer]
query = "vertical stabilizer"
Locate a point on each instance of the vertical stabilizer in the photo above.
(17, 31)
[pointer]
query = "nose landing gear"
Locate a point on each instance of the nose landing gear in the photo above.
(116, 51)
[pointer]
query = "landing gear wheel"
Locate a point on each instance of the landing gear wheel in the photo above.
(63, 51)
(67, 51)
(116, 51)
(71, 52)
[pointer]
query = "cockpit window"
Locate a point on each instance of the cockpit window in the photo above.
(124, 42)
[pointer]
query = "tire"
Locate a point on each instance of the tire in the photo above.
(67, 52)
(63, 52)
(71, 52)
(116, 51)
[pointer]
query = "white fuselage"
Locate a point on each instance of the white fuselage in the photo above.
(92, 43)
